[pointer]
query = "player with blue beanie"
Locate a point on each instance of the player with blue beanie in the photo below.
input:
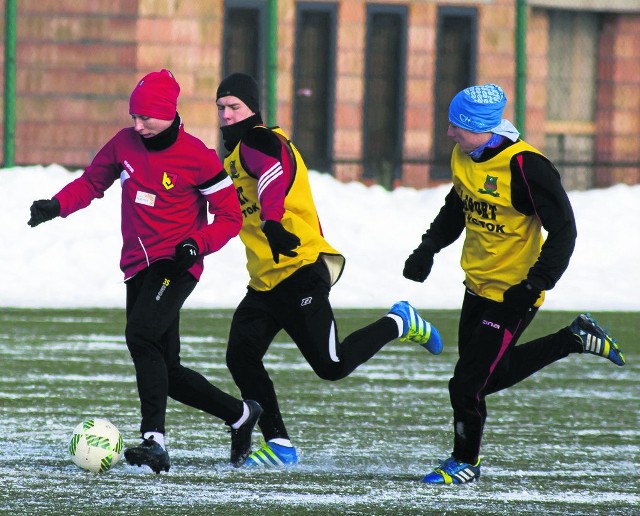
(504, 193)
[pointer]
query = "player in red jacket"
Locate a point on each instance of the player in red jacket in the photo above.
(169, 178)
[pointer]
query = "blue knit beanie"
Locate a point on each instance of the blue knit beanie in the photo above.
(478, 108)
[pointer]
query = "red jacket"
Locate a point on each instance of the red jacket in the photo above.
(164, 197)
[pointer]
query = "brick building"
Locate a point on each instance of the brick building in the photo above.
(361, 86)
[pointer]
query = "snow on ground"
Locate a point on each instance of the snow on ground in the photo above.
(73, 262)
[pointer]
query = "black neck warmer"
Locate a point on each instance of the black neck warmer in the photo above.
(232, 134)
(165, 139)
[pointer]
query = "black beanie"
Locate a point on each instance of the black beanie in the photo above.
(242, 86)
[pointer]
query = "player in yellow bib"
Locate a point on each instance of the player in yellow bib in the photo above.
(504, 192)
(291, 268)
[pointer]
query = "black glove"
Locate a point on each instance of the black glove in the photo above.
(418, 265)
(186, 254)
(521, 297)
(280, 240)
(44, 210)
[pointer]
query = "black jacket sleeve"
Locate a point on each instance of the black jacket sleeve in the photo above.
(264, 140)
(448, 224)
(537, 191)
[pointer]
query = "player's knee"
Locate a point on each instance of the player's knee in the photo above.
(139, 340)
(176, 374)
(465, 394)
(457, 391)
(236, 359)
(329, 372)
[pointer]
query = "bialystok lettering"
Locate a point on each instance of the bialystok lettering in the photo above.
(482, 208)
(485, 211)
(489, 226)
(246, 210)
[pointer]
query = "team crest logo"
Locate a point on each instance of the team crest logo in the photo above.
(169, 180)
(490, 186)
(233, 172)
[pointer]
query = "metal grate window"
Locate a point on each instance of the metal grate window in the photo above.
(571, 84)
(313, 88)
(455, 70)
(244, 29)
(384, 93)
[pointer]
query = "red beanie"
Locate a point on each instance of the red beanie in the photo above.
(155, 96)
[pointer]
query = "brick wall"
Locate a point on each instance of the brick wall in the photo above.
(77, 63)
(618, 112)
(419, 112)
(350, 65)
(537, 72)
(76, 69)
(72, 73)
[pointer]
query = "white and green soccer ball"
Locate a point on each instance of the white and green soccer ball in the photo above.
(96, 445)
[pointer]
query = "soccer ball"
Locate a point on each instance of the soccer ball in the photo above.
(96, 445)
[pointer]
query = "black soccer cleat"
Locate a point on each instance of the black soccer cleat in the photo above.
(241, 437)
(149, 453)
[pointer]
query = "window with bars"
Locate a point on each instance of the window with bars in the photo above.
(384, 93)
(244, 33)
(571, 103)
(314, 77)
(455, 70)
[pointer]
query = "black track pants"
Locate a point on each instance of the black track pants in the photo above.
(489, 361)
(299, 305)
(154, 300)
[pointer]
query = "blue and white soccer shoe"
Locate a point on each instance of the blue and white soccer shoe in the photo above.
(272, 455)
(452, 471)
(416, 329)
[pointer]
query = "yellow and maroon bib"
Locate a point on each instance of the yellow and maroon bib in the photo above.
(300, 217)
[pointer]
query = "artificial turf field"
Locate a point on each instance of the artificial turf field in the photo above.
(566, 441)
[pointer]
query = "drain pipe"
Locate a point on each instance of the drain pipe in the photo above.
(8, 140)
(272, 61)
(521, 66)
